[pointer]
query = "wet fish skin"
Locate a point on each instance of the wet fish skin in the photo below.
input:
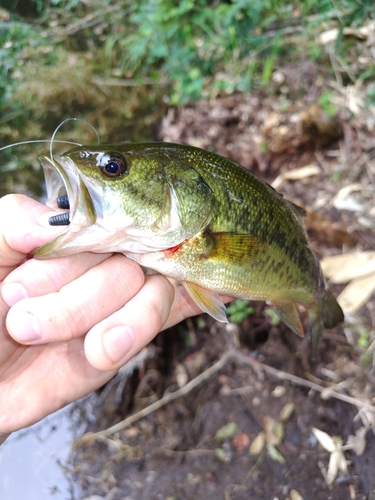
(199, 218)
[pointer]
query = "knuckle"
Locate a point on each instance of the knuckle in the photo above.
(72, 325)
(67, 319)
(127, 275)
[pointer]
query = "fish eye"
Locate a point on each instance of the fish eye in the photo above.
(113, 165)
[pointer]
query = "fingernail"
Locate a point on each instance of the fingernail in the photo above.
(13, 293)
(117, 342)
(23, 327)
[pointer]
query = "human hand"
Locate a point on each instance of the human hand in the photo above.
(67, 325)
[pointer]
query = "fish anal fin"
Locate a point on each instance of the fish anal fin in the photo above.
(288, 314)
(209, 302)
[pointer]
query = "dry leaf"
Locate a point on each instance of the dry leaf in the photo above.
(356, 294)
(131, 432)
(333, 445)
(295, 175)
(258, 444)
(324, 439)
(279, 391)
(358, 442)
(287, 412)
(344, 200)
(345, 267)
(328, 232)
(363, 32)
(328, 36)
(337, 463)
(269, 425)
(295, 495)
(182, 377)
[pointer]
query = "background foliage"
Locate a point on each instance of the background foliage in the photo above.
(116, 63)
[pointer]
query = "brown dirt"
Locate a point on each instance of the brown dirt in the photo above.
(173, 453)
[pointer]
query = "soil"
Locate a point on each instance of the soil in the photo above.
(177, 452)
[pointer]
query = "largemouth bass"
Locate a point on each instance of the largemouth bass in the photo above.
(193, 216)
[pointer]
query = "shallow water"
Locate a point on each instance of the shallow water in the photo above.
(32, 460)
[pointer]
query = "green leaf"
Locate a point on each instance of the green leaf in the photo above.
(220, 454)
(325, 103)
(275, 320)
(274, 453)
(270, 61)
(227, 431)
(239, 310)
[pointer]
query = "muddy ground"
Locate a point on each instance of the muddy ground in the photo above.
(197, 446)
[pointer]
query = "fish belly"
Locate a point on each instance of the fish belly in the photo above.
(238, 265)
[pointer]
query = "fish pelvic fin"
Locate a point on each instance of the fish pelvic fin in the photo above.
(288, 315)
(209, 302)
(327, 313)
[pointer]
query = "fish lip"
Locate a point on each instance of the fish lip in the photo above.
(60, 172)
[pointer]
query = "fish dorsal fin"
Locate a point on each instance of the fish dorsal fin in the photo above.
(289, 315)
(297, 210)
(209, 302)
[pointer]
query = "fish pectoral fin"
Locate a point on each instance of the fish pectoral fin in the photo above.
(236, 248)
(209, 302)
(288, 315)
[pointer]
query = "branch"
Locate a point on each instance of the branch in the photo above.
(160, 403)
(238, 356)
(235, 356)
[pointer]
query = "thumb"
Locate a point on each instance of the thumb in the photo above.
(23, 227)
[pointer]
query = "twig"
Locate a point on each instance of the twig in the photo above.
(230, 355)
(83, 23)
(160, 403)
(254, 468)
(121, 82)
(237, 356)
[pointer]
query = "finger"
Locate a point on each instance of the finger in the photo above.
(23, 227)
(41, 379)
(78, 306)
(118, 338)
(34, 277)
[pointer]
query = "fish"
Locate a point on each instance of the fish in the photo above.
(192, 216)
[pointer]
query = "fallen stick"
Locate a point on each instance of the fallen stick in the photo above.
(160, 403)
(232, 355)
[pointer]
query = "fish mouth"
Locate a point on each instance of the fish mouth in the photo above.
(66, 190)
